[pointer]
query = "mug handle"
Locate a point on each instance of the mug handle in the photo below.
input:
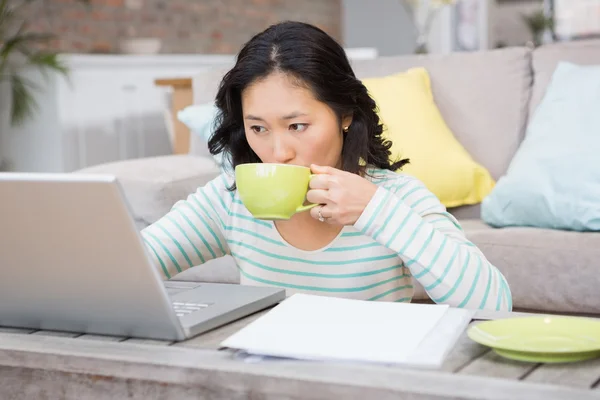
(308, 206)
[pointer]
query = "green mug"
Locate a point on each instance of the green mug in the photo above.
(273, 191)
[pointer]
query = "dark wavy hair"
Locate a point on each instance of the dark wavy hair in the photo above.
(316, 60)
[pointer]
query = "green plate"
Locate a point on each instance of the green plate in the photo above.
(545, 339)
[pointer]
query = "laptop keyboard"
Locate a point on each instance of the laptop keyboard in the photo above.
(183, 309)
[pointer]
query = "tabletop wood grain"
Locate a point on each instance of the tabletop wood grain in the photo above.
(65, 365)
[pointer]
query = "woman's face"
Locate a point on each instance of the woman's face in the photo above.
(285, 124)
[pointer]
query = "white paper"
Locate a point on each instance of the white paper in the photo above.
(326, 328)
(432, 351)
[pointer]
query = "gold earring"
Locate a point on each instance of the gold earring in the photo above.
(346, 129)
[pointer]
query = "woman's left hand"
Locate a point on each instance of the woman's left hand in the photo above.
(342, 195)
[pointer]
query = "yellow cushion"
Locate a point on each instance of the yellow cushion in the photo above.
(418, 131)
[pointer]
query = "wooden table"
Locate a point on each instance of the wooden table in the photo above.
(51, 365)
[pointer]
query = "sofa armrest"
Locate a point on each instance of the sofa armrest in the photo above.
(153, 185)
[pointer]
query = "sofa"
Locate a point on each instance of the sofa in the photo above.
(486, 99)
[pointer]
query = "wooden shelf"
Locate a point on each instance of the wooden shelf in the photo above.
(174, 82)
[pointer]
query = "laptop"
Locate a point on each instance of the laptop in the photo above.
(72, 259)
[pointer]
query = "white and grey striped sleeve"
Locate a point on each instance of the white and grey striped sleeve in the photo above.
(407, 218)
(192, 232)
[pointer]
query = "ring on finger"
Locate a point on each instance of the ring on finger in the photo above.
(321, 217)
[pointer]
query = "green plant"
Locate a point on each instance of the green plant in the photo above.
(538, 23)
(22, 48)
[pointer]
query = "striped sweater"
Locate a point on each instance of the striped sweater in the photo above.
(404, 233)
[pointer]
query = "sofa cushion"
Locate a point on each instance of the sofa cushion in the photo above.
(153, 185)
(413, 123)
(554, 179)
(466, 212)
(547, 270)
(546, 58)
(483, 97)
(201, 121)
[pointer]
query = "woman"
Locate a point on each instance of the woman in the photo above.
(293, 98)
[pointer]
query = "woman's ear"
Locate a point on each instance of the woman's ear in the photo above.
(346, 121)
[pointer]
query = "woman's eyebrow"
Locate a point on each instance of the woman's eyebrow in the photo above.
(252, 117)
(292, 115)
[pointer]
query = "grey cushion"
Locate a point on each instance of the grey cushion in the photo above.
(153, 185)
(482, 96)
(546, 269)
(545, 59)
(466, 212)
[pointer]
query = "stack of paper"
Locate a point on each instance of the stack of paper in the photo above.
(326, 328)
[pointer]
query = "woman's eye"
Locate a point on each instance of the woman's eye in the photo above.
(258, 129)
(298, 127)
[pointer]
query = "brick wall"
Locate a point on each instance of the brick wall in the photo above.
(185, 26)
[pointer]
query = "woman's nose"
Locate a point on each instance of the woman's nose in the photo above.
(282, 151)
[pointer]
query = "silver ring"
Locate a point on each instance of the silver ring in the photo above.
(321, 218)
